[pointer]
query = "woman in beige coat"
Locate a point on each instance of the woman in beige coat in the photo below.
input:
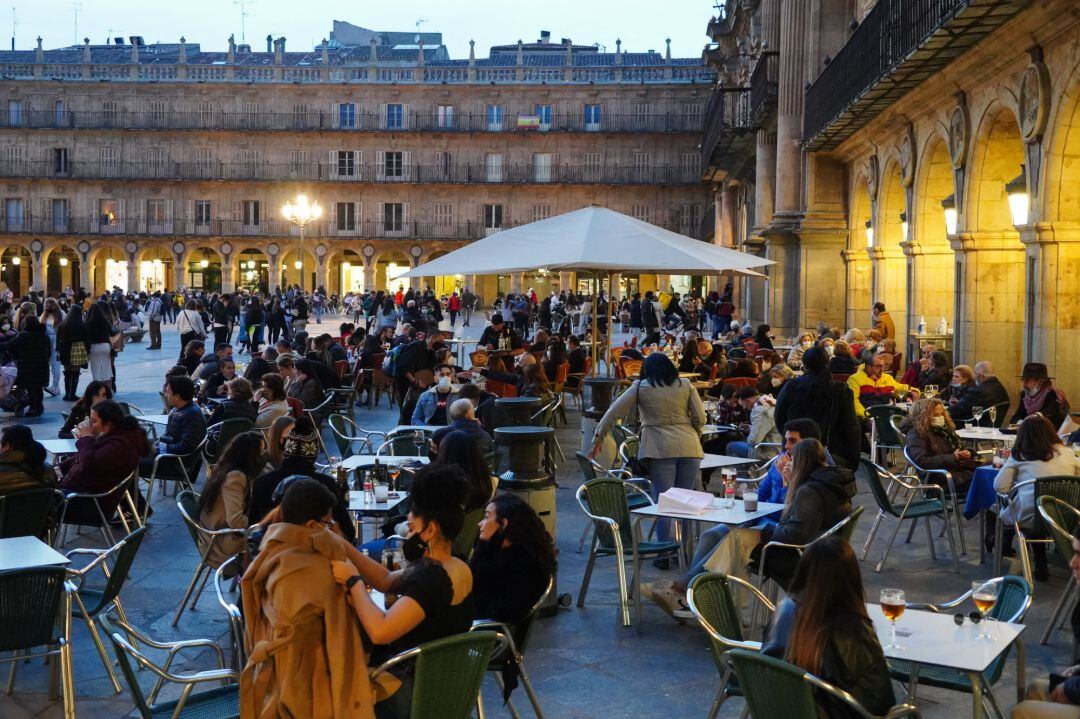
(671, 417)
(224, 500)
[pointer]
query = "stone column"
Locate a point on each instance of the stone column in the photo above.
(729, 200)
(663, 283)
(132, 275)
(1051, 333)
(84, 275)
(369, 278)
(322, 274)
(764, 180)
(890, 281)
(228, 274)
(770, 24)
(857, 282)
(932, 269)
(789, 159)
(517, 282)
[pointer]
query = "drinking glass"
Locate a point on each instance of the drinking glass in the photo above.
(977, 414)
(393, 472)
(984, 593)
(892, 606)
(420, 440)
(334, 461)
(930, 391)
(993, 416)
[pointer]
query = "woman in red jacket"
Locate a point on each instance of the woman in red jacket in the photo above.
(108, 448)
(453, 306)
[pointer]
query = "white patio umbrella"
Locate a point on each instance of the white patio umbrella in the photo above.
(593, 239)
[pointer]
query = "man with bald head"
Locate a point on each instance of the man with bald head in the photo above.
(462, 417)
(987, 393)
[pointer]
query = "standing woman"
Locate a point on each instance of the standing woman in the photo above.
(73, 350)
(189, 324)
(51, 317)
(31, 350)
(98, 331)
(671, 416)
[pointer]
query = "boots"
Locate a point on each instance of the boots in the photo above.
(71, 386)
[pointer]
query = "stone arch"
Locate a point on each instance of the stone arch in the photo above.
(996, 157)
(889, 283)
(931, 258)
(17, 269)
(389, 263)
(155, 268)
(251, 269)
(856, 257)
(346, 271)
(290, 272)
(203, 268)
(1059, 193)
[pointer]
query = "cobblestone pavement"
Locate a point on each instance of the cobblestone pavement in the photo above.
(583, 662)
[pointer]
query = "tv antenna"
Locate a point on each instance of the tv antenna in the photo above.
(75, 7)
(15, 22)
(419, 22)
(243, 5)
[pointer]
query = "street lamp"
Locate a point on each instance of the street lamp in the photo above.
(869, 234)
(949, 205)
(1019, 201)
(904, 226)
(300, 214)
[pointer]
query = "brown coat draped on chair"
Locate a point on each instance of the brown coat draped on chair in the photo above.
(305, 654)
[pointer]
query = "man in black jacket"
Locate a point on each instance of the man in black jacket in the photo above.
(183, 432)
(413, 358)
(987, 392)
(649, 320)
(498, 334)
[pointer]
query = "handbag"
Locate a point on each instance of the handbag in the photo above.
(78, 355)
(116, 341)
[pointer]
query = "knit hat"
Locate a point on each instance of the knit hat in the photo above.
(302, 441)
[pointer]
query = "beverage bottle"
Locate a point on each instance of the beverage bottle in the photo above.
(922, 325)
(369, 490)
(342, 481)
(943, 327)
(729, 495)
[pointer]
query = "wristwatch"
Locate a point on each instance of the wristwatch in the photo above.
(351, 582)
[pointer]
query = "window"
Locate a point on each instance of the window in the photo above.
(541, 212)
(202, 212)
(442, 167)
(59, 113)
(155, 156)
(205, 109)
(346, 114)
(590, 165)
(108, 213)
(157, 111)
(109, 158)
(345, 212)
(395, 164)
(493, 167)
(13, 214)
(493, 216)
(542, 167)
(204, 161)
(690, 166)
(252, 213)
(642, 163)
(60, 161)
(251, 114)
(494, 118)
(15, 113)
(592, 118)
(156, 215)
(445, 115)
(692, 112)
(641, 116)
(544, 113)
(59, 215)
(346, 163)
(687, 217)
(444, 214)
(641, 212)
(109, 109)
(395, 116)
(297, 160)
(393, 217)
(250, 162)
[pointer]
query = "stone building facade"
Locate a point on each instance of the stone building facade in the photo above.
(922, 154)
(163, 166)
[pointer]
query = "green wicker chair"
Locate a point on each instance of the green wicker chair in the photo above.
(1060, 518)
(923, 501)
(27, 513)
(220, 702)
(775, 689)
(89, 603)
(463, 543)
(347, 433)
(1014, 599)
(447, 674)
(35, 611)
(713, 604)
(884, 435)
(604, 500)
(590, 469)
(401, 444)
(219, 435)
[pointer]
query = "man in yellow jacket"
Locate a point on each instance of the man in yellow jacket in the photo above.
(871, 386)
(883, 322)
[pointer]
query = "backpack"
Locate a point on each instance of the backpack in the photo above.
(389, 364)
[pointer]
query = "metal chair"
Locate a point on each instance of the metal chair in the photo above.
(90, 603)
(1063, 487)
(919, 504)
(712, 602)
(219, 435)
(1059, 516)
(775, 689)
(35, 611)
(236, 617)
(883, 434)
(604, 501)
(346, 432)
(401, 444)
(1014, 599)
(26, 513)
(947, 476)
(895, 422)
(517, 640)
(591, 469)
(102, 522)
(188, 465)
(205, 540)
(447, 674)
(470, 530)
(222, 702)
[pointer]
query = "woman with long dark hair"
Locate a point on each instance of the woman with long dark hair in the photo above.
(460, 449)
(98, 332)
(823, 627)
(224, 501)
(50, 318)
(513, 562)
(95, 392)
(31, 350)
(73, 350)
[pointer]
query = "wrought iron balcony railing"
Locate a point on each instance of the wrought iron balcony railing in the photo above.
(729, 116)
(764, 86)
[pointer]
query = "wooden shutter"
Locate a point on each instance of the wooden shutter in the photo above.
(93, 213)
(380, 227)
(332, 168)
(380, 164)
(382, 117)
(405, 229)
(358, 158)
(121, 225)
(333, 219)
(335, 114)
(189, 218)
(406, 166)
(168, 224)
(406, 121)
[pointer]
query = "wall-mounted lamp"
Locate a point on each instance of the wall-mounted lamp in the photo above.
(904, 226)
(1019, 201)
(869, 233)
(949, 205)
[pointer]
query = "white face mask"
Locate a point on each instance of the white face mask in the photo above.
(444, 382)
(776, 381)
(938, 421)
(806, 344)
(830, 350)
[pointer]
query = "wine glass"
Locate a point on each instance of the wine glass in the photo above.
(977, 414)
(393, 472)
(993, 416)
(930, 391)
(420, 440)
(892, 606)
(984, 593)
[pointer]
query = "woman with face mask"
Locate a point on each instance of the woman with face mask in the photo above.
(932, 443)
(434, 591)
(794, 358)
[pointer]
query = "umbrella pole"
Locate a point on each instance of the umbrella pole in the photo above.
(595, 337)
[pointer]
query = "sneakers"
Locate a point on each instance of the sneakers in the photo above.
(665, 596)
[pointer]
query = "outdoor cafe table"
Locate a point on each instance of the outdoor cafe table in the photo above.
(359, 508)
(934, 639)
(984, 434)
(28, 552)
(153, 418)
(59, 447)
(357, 461)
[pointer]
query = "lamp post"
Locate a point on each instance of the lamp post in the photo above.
(300, 214)
(949, 206)
(1019, 201)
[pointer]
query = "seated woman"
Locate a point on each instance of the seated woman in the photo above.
(554, 358)
(224, 499)
(794, 358)
(935, 370)
(193, 354)
(275, 441)
(434, 592)
(108, 448)
(237, 403)
(932, 443)
(963, 383)
(80, 411)
(823, 627)
(535, 383)
(271, 400)
(772, 379)
(513, 562)
(1038, 452)
(22, 462)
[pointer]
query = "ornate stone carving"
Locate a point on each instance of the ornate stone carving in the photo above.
(907, 158)
(873, 173)
(1034, 101)
(959, 135)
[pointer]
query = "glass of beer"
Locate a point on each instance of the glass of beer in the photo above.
(984, 594)
(892, 606)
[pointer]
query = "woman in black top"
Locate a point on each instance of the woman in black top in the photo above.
(435, 592)
(762, 337)
(80, 411)
(71, 335)
(462, 450)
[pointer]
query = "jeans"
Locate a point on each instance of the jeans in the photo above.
(707, 543)
(739, 449)
(670, 472)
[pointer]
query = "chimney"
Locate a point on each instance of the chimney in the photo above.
(520, 54)
(374, 54)
(182, 59)
(618, 51)
(545, 37)
(279, 51)
(472, 52)
(232, 49)
(667, 54)
(282, 39)
(269, 43)
(325, 52)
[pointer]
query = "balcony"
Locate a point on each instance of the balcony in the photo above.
(661, 121)
(898, 46)
(764, 86)
(529, 173)
(730, 128)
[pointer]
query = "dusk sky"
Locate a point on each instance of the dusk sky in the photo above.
(641, 24)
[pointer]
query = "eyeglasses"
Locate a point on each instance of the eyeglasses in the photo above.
(328, 523)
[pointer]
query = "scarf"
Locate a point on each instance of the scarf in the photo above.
(1034, 403)
(947, 435)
